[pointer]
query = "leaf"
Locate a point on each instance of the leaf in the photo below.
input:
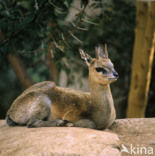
(84, 3)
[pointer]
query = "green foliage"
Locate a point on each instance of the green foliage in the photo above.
(24, 24)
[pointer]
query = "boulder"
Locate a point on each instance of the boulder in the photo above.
(138, 134)
(56, 141)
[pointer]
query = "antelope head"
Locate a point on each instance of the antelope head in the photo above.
(101, 69)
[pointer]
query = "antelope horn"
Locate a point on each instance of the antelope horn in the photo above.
(106, 50)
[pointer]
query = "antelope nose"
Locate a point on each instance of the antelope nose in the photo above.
(115, 74)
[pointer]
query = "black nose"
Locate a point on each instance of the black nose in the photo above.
(115, 74)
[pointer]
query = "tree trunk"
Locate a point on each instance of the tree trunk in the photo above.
(142, 59)
(51, 64)
(20, 71)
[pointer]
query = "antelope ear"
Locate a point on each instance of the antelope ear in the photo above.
(100, 53)
(88, 59)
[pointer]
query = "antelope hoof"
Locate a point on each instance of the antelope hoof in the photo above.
(60, 123)
(34, 123)
(70, 124)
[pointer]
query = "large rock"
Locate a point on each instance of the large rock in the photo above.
(53, 141)
(65, 141)
(138, 133)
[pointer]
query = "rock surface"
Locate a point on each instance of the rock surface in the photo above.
(136, 133)
(69, 141)
(62, 141)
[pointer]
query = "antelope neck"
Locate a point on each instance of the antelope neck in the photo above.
(101, 95)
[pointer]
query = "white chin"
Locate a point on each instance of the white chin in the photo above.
(112, 78)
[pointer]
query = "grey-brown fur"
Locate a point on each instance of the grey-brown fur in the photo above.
(46, 105)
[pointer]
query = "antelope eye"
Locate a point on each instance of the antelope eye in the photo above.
(102, 70)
